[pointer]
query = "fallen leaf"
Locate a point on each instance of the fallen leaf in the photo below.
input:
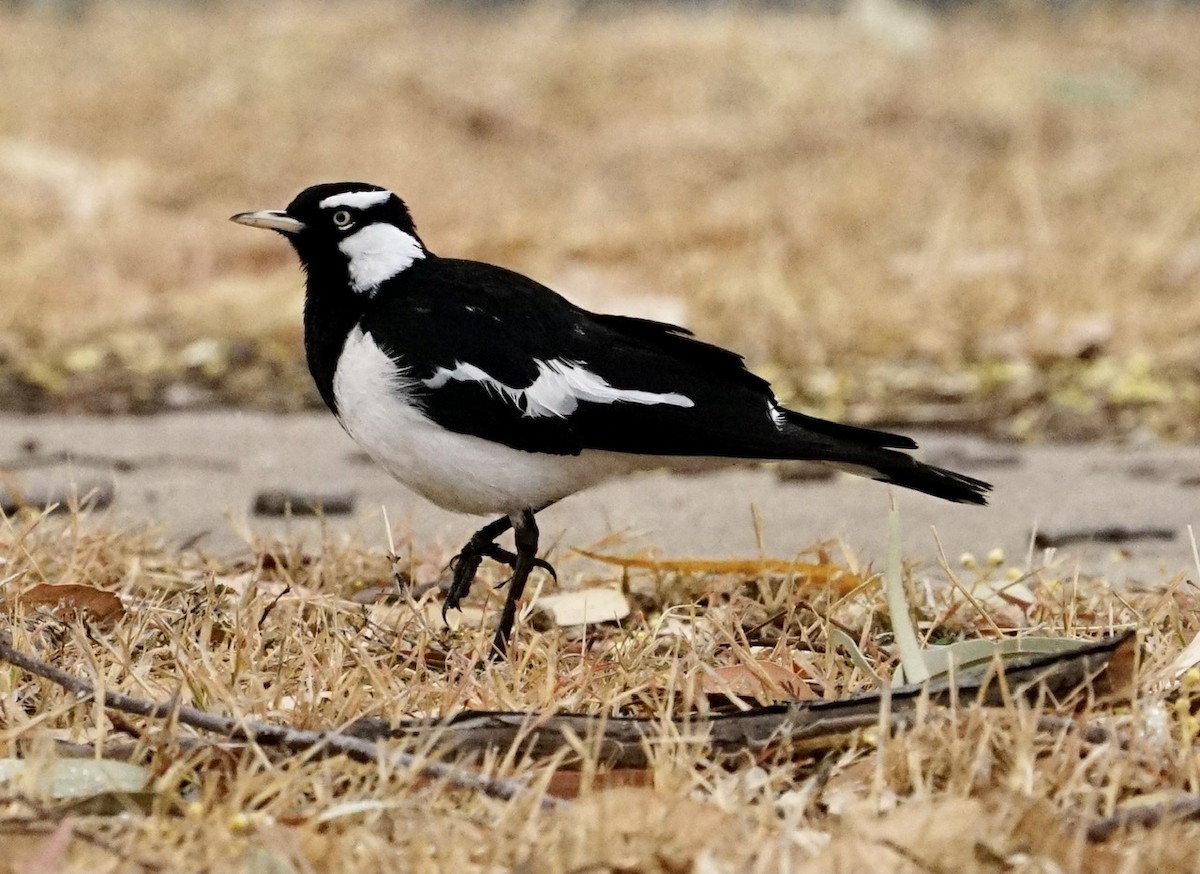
(941, 660)
(566, 783)
(759, 680)
(585, 607)
(75, 779)
(1187, 659)
(999, 593)
(810, 572)
(66, 598)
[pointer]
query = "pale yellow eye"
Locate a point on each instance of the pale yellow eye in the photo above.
(343, 219)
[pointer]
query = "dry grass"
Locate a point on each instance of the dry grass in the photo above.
(813, 193)
(1001, 226)
(965, 790)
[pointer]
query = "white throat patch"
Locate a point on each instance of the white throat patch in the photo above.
(378, 252)
(558, 389)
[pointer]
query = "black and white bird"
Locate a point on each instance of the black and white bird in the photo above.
(488, 393)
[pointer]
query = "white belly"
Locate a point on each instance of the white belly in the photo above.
(456, 471)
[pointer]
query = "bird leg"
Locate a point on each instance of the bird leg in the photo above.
(482, 545)
(525, 535)
(466, 563)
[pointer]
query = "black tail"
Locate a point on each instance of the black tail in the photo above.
(871, 453)
(899, 469)
(854, 433)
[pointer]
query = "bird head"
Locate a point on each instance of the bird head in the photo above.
(354, 229)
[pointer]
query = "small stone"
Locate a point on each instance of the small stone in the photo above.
(282, 502)
(804, 471)
(57, 496)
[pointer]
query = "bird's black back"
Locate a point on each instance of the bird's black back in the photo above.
(440, 313)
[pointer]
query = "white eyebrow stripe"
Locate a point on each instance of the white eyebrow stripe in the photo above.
(558, 389)
(378, 252)
(356, 199)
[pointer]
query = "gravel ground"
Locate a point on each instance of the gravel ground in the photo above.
(202, 475)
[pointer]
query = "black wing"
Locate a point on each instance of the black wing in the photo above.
(443, 316)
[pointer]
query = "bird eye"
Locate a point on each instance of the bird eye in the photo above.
(343, 219)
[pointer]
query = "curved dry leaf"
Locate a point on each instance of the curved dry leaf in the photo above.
(810, 572)
(758, 680)
(66, 598)
(942, 660)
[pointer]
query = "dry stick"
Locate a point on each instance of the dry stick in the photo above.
(801, 724)
(1149, 816)
(804, 724)
(265, 734)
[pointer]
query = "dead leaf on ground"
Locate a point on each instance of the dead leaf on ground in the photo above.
(585, 607)
(758, 681)
(107, 786)
(65, 599)
(568, 784)
(815, 573)
(1187, 659)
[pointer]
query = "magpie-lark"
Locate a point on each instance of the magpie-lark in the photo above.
(489, 393)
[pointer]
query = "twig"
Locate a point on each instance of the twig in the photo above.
(807, 725)
(262, 733)
(1148, 816)
(622, 741)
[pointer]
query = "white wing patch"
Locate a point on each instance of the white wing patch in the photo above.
(356, 199)
(377, 253)
(377, 405)
(558, 389)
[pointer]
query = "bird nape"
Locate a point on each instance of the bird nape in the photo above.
(488, 393)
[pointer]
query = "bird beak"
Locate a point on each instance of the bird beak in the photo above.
(271, 219)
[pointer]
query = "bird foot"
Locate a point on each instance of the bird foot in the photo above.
(503, 556)
(466, 564)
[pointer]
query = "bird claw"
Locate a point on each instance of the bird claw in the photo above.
(466, 564)
(510, 559)
(463, 566)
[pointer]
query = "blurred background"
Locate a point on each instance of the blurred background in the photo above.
(980, 216)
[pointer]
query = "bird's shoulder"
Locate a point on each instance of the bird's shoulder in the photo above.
(441, 311)
(445, 309)
(434, 285)
(490, 352)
